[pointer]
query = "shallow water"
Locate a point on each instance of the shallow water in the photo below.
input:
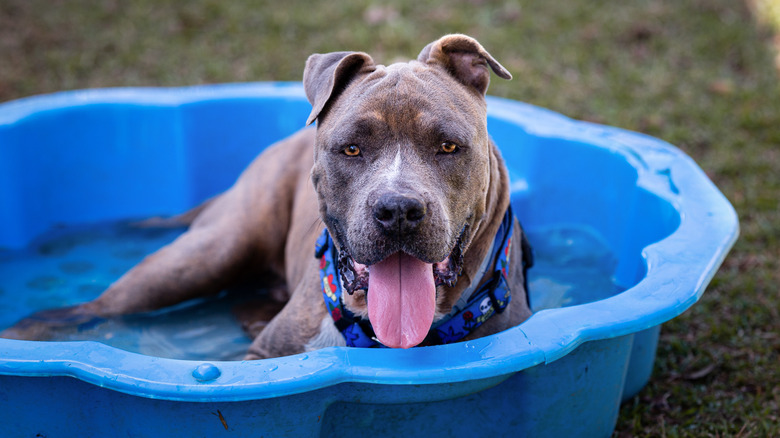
(572, 265)
(70, 265)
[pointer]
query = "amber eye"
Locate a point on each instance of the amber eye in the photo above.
(448, 147)
(352, 150)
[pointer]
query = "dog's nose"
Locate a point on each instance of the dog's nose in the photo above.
(398, 213)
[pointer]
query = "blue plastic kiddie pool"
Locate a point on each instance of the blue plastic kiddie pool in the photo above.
(595, 199)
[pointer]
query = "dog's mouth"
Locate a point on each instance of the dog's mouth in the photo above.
(401, 292)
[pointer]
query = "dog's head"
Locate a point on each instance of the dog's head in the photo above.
(402, 172)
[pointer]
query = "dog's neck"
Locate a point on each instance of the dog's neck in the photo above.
(482, 273)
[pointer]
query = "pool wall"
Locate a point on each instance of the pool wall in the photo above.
(95, 155)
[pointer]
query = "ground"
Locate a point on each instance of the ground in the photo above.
(699, 74)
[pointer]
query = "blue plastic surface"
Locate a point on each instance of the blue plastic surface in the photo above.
(96, 155)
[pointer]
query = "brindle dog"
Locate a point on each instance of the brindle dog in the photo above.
(401, 171)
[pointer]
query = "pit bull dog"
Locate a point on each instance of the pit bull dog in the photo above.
(389, 223)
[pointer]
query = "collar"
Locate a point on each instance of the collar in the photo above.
(467, 315)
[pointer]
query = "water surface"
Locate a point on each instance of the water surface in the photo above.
(70, 265)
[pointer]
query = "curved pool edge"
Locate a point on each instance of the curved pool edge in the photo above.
(547, 336)
(15, 110)
(174, 379)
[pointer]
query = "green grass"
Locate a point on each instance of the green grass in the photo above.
(697, 73)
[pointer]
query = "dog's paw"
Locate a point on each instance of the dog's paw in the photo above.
(43, 325)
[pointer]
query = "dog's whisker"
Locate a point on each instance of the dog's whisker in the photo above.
(314, 224)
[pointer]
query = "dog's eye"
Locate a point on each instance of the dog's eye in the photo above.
(448, 147)
(352, 150)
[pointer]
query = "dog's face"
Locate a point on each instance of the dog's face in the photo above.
(393, 159)
(402, 170)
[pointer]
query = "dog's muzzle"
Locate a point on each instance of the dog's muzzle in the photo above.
(354, 275)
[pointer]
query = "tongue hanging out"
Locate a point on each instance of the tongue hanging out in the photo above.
(401, 300)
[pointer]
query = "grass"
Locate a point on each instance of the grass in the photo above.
(697, 73)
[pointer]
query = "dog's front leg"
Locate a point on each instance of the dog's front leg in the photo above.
(300, 321)
(199, 263)
(237, 234)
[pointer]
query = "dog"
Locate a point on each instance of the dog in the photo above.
(389, 223)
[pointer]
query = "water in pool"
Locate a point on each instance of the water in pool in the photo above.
(70, 265)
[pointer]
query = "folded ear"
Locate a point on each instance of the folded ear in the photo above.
(327, 75)
(465, 59)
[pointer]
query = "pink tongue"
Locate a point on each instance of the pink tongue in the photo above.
(401, 300)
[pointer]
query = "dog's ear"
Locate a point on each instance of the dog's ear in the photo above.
(465, 59)
(327, 75)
